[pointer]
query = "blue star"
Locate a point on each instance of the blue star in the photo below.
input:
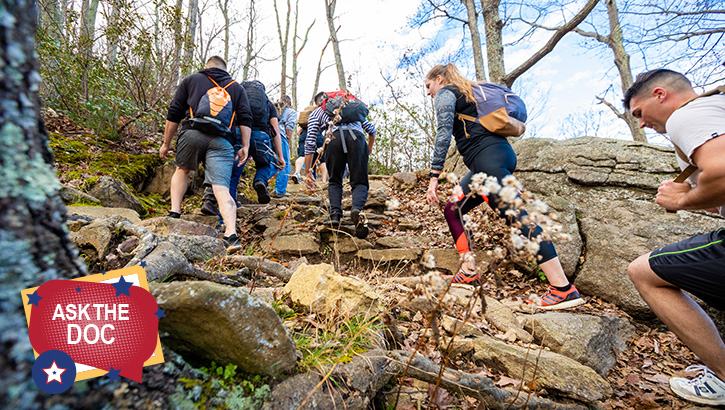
(160, 313)
(78, 289)
(122, 287)
(113, 374)
(33, 298)
(143, 264)
(103, 272)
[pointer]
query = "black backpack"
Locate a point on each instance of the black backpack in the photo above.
(214, 113)
(353, 110)
(258, 103)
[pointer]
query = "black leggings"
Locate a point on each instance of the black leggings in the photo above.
(499, 160)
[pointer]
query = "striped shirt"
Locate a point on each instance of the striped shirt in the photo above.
(318, 119)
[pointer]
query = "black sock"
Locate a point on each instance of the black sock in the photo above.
(563, 288)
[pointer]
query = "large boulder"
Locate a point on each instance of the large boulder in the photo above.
(554, 372)
(325, 291)
(97, 235)
(611, 186)
(197, 248)
(206, 321)
(591, 340)
(113, 193)
(304, 243)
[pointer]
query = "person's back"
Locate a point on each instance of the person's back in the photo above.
(287, 122)
(214, 147)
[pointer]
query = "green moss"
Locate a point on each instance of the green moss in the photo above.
(88, 157)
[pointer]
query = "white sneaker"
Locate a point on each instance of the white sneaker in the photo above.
(706, 388)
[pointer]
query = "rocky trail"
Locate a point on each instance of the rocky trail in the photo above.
(306, 316)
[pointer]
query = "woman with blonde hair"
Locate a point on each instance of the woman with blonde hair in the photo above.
(483, 152)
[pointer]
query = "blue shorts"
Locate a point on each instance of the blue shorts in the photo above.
(696, 265)
(217, 154)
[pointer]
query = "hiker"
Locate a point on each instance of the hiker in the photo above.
(287, 122)
(483, 152)
(302, 121)
(201, 139)
(264, 133)
(347, 146)
(659, 100)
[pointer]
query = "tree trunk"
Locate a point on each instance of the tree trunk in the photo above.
(112, 36)
(297, 52)
(621, 60)
(178, 39)
(224, 7)
(475, 39)
(191, 37)
(34, 243)
(250, 41)
(330, 12)
(494, 40)
(315, 89)
(283, 42)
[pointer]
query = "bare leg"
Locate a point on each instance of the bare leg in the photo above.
(681, 314)
(227, 208)
(323, 172)
(554, 272)
(179, 183)
(299, 164)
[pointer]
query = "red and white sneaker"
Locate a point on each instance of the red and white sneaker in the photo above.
(465, 278)
(555, 299)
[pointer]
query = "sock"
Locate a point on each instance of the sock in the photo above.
(563, 288)
(173, 214)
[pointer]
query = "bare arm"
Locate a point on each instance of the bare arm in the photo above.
(710, 189)
(169, 132)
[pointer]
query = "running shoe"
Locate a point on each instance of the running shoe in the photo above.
(555, 299)
(706, 388)
(262, 194)
(465, 278)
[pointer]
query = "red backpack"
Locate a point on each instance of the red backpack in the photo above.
(353, 110)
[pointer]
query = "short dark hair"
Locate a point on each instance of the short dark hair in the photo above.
(318, 97)
(216, 61)
(648, 80)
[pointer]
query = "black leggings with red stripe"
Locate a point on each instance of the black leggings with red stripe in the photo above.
(496, 159)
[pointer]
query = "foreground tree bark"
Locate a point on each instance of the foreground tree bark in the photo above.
(34, 243)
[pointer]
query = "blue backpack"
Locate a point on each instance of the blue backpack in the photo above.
(496, 104)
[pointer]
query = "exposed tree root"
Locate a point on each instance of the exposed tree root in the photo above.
(266, 266)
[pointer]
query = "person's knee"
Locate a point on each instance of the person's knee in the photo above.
(182, 170)
(639, 270)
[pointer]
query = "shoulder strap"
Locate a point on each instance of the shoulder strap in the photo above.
(225, 87)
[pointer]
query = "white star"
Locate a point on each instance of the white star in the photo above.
(54, 373)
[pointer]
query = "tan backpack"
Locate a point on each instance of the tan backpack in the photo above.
(304, 118)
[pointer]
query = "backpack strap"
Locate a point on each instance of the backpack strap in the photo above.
(225, 87)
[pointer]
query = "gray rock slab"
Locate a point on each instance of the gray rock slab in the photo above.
(113, 193)
(594, 341)
(554, 372)
(207, 321)
(162, 226)
(103, 212)
(390, 255)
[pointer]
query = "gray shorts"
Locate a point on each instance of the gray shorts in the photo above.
(216, 153)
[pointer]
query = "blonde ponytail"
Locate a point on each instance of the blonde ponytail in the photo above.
(451, 75)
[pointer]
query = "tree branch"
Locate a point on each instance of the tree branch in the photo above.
(612, 107)
(509, 78)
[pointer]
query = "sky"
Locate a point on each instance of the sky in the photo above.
(374, 34)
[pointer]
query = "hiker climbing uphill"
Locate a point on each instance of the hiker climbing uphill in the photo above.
(481, 141)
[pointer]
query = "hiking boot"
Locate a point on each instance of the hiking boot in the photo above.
(274, 194)
(295, 178)
(465, 278)
(209, 208)
(555, 299)
(706, 388)
(232, 240)
(174, 215)
(262, 194)
(334, 220)
(361, 224)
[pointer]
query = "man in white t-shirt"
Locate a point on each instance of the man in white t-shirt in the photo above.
(661, 100)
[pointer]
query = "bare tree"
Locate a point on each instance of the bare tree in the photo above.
(330, 13)
(297, 51)
(250, 55)
(283, 42)
(615, 41)
(319, 71)
(472, 24)
(192, 18)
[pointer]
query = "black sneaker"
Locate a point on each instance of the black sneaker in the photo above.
(361, 223)
(232, 240)
(209, 208)
(262, 194)
(174, 215)
(334, 220)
